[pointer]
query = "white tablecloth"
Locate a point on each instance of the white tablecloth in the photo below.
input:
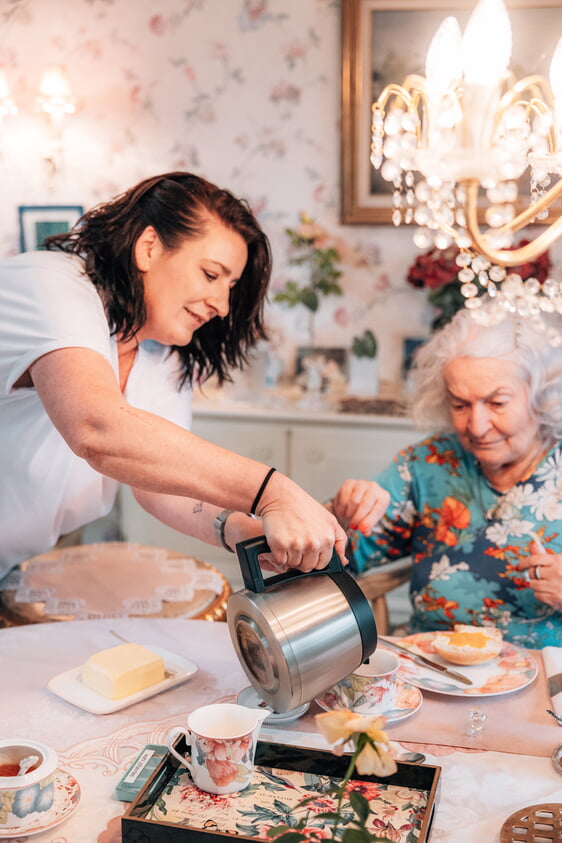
(479, 790)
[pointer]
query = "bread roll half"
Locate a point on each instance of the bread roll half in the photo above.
(468, 644)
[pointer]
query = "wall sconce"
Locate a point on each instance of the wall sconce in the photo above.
(7, 104)
(55, 96)
(56, 101)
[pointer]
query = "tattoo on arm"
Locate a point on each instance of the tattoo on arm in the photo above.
(198, 507)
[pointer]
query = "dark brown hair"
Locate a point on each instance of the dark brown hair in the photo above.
(177, 205)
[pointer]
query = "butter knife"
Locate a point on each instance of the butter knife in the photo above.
(427, 662)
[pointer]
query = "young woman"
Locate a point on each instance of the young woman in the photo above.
(101, 338)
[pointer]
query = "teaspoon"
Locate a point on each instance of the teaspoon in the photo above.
(412, 757)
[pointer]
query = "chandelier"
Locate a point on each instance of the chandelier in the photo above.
(455, 143)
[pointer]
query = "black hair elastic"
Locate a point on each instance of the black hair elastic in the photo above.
(261, 491)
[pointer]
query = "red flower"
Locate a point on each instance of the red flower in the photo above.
(438, 267)
(453, 514)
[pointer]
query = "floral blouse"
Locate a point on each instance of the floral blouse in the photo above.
(466, 538)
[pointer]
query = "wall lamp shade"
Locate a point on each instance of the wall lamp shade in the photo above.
(55, 95)
(7, 104)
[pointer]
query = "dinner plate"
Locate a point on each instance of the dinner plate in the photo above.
(407, 701)
(250, 697)
(69, 686)
(512, 670)
(65, 802)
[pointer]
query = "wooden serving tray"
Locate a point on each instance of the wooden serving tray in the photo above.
(169, 809)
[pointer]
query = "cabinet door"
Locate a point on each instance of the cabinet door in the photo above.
(323, 456)
(262, 441)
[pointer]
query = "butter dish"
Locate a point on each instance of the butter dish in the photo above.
(69, 686)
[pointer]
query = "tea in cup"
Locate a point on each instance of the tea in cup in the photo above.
(371, 688)
(25, 795)
(223, 739)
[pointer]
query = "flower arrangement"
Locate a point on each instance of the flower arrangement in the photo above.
(437, 270)
(371, 756)
(312, 247)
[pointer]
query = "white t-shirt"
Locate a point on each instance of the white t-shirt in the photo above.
(46, 303)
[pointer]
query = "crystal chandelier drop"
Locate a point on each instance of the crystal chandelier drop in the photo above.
(454, 145)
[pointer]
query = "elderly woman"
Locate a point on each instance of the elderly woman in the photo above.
(478, 505)
(101, 337)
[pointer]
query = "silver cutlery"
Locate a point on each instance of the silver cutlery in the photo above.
(425, 661)
(412, 757)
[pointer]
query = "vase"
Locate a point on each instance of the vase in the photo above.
(363, 376)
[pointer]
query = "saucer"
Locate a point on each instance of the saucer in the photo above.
(408, 700)
(250, 697)
(66, 800)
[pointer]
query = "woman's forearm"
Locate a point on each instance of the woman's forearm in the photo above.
(197, 518)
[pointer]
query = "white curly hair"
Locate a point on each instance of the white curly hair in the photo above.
(515, 338)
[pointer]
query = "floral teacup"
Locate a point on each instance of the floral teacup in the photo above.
(23, 797)
(223, 739)
(371, 688)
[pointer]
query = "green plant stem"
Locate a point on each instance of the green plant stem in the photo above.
(345, 782)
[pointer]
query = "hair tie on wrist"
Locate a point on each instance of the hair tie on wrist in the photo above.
(261, 491)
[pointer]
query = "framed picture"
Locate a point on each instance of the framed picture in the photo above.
(409, 347)
(40, 221)
(321, 369)
(385, 40)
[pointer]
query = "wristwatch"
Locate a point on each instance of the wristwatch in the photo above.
(219, 524)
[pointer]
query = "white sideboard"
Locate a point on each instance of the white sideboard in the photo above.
(319, 450)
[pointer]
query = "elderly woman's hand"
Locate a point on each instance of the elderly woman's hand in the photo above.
(545, 575)
(359, 505)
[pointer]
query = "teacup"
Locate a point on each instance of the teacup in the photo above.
(371, 688)
(23, 797)
(223, 739)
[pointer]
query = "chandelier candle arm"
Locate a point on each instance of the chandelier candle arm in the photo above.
(523, 254)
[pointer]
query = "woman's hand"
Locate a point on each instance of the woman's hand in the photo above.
(239, 527)
(359, 505)
(300, 531)
(545, 575)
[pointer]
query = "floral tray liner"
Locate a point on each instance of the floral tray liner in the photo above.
(271, 799)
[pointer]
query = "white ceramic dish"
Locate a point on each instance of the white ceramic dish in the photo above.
(69, 686)
(408, 700)
(512, 670)
(250, 697)
(66, 800)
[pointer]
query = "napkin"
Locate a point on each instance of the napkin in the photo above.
(552, 657)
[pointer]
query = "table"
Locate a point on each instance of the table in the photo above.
(112, 579)
(479, 789)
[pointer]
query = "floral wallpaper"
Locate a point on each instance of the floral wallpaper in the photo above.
(244, 92)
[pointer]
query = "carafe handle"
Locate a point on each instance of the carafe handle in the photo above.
(248, 552)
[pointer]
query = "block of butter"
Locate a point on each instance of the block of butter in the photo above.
(123, 670)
